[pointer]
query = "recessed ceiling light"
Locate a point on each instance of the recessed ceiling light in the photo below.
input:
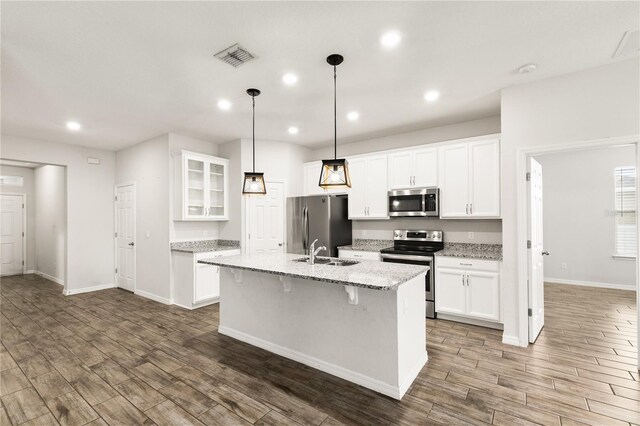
(431, 96)
(74, 126)
(293, 130)
(527, 68)
(390, 39)
(290, 79)
(224, 104)
(353, 115)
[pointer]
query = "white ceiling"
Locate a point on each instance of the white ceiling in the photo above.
(129, 71)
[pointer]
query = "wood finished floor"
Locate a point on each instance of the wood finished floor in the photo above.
(111, 357)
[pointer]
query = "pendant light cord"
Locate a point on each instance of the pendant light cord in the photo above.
(335, 117)
(253, 99)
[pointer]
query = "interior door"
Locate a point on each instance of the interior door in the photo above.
(400, 170)
(126, 237)
(357, 193)
(266, 220)
(11, 237)
(536, 264)
(454, 181)
(377, 199)
(484, 178)
(426, 167)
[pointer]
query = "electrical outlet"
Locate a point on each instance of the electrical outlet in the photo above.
(563, 265)
(471, 235)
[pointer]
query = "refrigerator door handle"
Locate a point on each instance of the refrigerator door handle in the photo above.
(305, 228)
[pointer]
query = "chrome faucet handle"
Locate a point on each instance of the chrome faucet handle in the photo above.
(319, 249)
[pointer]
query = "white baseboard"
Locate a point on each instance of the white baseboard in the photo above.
(153, 297)
(471, 321)
(198, 305)
(513, 340)
(384, 388)
(590, 284)
(52, 278)
(88, 289)
(30, 271)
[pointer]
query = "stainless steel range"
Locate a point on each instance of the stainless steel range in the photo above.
(417, 248)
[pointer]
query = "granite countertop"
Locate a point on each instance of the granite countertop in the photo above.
(203, 246)
(368, 245)
(472, 251)
(367, 274)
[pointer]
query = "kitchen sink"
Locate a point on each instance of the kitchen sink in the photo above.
(328, 261)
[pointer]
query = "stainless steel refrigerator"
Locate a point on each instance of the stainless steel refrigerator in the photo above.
(324, 217)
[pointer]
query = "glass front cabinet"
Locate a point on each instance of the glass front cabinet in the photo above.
(201, 185)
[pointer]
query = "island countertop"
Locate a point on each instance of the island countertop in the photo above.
(367, 274)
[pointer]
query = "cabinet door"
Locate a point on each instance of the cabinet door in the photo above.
(194, 187)
(454, 180)
(400, 170)
(450, 291)
(376, 187)
(311, 178)
(483, 295)
(484, 182)
(215, 184)
(358, 191)
(425, 167)
(207, 285)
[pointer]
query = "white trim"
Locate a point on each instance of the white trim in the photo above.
(522, 203)
(115, 227)
(153, 297)
(624, 257)
(88, 289)
(510, 340)
(30, 271)
(384, 388)
(469, 320)
(198, 305)
(590, 284)
(50, 277)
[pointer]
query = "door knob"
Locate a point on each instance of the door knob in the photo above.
(131, 244)
(279, 244)
(545, 253)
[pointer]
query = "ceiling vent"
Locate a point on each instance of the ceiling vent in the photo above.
(629, 45)
(235, 55)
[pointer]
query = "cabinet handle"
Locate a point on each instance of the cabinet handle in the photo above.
(463, 280)
(467, 208)
(471, 208)
(467, 280)
(466, 264)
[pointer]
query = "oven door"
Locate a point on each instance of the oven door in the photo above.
(406, 204)
(429, 285)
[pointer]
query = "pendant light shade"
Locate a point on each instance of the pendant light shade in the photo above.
(254, 181)
(335, 172)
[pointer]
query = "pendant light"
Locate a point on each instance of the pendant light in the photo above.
(335, 172)
(254, 181)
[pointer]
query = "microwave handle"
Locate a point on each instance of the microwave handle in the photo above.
(424, 202)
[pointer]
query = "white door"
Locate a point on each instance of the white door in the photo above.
(536, 270)
(425, 169)
(483, 295)
(11, 235)
(376, 188)
(357, 194)
(484, 178)
(266, 220)
(401, 170)
(454, 181)
(450, 297)
(126, 237)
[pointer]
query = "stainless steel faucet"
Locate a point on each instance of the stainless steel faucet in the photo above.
(313, 251)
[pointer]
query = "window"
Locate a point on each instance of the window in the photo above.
(11, 180)
(625, 211)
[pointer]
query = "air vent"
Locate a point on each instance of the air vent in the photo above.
(235, 55)
(629, 45)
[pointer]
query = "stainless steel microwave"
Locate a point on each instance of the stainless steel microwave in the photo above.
(414, 202)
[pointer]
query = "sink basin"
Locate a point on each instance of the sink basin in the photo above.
(328, 261)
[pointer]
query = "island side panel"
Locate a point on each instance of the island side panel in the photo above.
(313, 323)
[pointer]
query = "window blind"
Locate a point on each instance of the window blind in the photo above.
(625, 211)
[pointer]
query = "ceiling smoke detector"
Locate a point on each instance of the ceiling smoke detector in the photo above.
(527, 68)
(235, 55)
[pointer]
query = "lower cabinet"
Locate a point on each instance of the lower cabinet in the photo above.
(358, 255)
(196, 284)
(468, 288)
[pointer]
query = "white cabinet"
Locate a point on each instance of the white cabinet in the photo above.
(468, 288)
(311, 180)
(196, 284)
(201, 187)
(368, 193)
(359, 255)
(469, 179)
(413, 169)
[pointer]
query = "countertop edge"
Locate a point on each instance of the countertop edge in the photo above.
(469, 256)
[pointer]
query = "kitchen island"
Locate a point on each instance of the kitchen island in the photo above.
(363, 322)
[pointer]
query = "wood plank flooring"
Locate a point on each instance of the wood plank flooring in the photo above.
(111, 357)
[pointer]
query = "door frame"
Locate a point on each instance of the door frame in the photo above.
(247, 218)
(24, 227)
(522, 225)
(115, 228)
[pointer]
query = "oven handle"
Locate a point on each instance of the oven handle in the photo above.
(406, 257)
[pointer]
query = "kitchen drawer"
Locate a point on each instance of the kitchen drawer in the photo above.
(210, 254)
(359, 255)
(468, 264)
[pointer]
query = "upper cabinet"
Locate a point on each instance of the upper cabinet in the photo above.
(416, 168)
(469, 179)
(311, 179)
(201, 187)
(368, 193)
